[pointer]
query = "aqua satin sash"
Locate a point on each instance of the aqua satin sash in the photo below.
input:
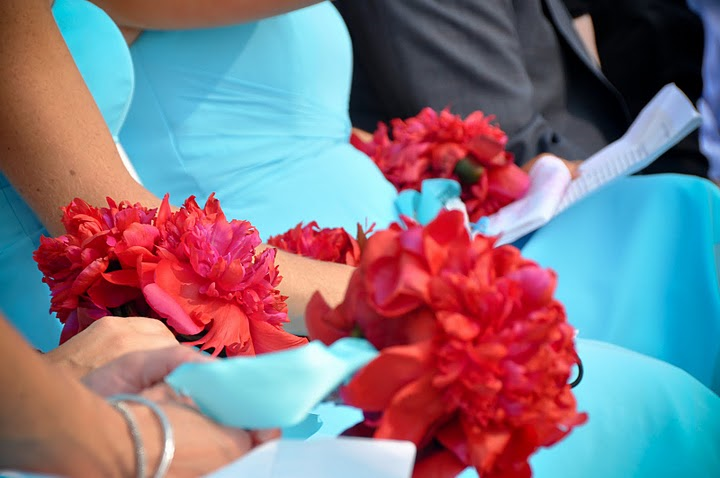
(435, 194)
(274, 390)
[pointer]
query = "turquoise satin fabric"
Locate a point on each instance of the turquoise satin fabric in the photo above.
(24, 298)
(101, 55)
(273, 390)
(647, 419)
(637, 266)
(257, 113)
(425, 204)
(103, 59)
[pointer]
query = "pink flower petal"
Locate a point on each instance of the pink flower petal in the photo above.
(168, 308)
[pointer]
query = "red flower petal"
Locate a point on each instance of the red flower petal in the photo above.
(175, 295)
(326, 324)
(487, 151)
(443, 237)
(168, 308)
(439, 464)
(269, 338)
(142, 235)
(229, 329)
(486, 446)
(329, 245)
(106, 294)
(418, 326)
(414, 411)
(374, 386)
(396, 287)
(538, 285)
(452, 437)
(359, 430)
(89, 275)
(71, 327)
(508, 182)
(127, 277)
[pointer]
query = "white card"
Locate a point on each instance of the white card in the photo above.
(325, 458)
(668, 118)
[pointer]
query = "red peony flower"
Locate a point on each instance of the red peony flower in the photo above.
(329, 245)
(193, 269)
(475, 353)
(432, 145)
(81, 267)
(209, 278)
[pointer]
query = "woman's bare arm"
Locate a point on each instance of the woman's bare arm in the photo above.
(181, 14)
(50, 423)
(302, 277)
(586, 30)
(54, 142)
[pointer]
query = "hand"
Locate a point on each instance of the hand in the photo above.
(109, 338)
(141, 371)
(362, 135)
(573, 166)
(201, 444)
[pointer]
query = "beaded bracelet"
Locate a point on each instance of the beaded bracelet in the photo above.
(118, 401)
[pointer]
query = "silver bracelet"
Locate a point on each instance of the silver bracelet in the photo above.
(135, 434)
(168, 438)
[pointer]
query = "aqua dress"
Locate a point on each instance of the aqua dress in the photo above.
(107, 69)
(638, 265)
(258, 114)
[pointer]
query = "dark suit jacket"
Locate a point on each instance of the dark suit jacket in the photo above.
(643, 45)
(519, 60)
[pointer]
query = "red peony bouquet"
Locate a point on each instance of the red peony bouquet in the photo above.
(323, 244)
(475, 352)
(195, 270)
(443, 145)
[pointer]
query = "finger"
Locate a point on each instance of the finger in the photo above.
(364, 136)
(137, 371)
(157, 364)
(573, 167)
(164, 393)
(142, 370)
